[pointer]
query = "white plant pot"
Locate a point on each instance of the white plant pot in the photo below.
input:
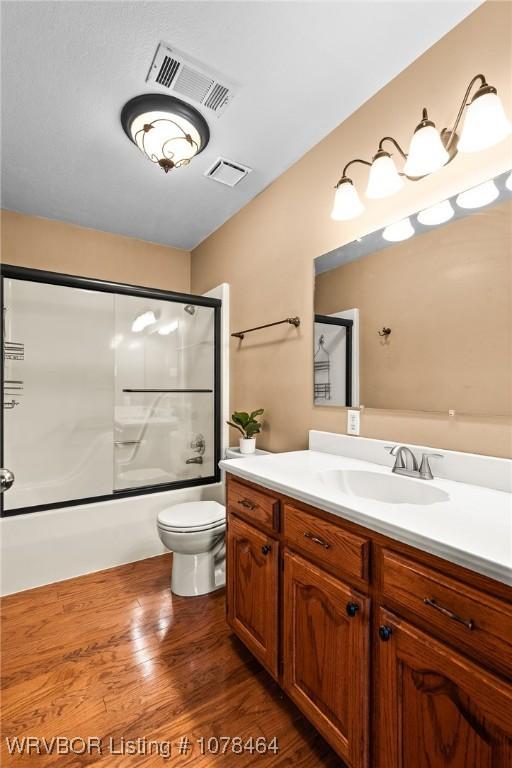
(247, 444)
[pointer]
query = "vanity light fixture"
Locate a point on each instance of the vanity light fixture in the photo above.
(426, 152)
(384, 179)
(347, 203)
(167, 131)
(400, 230)
(485, 125)
(436, 214)
(478, 196)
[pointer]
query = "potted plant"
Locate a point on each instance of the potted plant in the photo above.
(247, 424)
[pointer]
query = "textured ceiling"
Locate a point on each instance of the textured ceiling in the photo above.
(302, 67)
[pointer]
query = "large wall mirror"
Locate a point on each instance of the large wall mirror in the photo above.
(418, 316)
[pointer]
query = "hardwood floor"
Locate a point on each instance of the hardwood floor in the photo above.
(115, 655)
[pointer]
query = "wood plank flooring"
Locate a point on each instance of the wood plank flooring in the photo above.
(115, 655)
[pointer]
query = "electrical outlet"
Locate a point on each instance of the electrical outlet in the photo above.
(353, 419)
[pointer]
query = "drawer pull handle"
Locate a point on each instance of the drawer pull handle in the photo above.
(469, 623)
(352, 609)
(316, 540)
(246, 503)
(266, 549)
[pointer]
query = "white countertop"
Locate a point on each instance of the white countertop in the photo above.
(473, 528)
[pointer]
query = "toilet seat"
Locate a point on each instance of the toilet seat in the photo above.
(192, 516)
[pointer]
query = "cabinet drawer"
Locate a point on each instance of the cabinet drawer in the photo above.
(473, 620)
(256, 506)
(329, 544)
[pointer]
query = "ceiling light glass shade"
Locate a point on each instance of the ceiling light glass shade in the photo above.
(168, 131)
(476, 197)
(426, 153)
(436, 214)
(347, 203)
(485, 125)
(400, 230)
(384, 179)
(143, 320)
(508, 182)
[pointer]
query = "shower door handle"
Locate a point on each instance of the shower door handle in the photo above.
(6, 479)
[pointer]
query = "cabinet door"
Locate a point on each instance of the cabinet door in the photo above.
(252, 584)
(435, 708)
(326, 657)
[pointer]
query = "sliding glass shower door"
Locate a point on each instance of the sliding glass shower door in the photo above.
(164, 407)
(105, 393)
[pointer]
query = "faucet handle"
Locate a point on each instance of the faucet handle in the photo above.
(425, 471)
(394, 450)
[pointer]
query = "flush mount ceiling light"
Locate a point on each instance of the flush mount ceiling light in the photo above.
(168, 131)
(485, 125)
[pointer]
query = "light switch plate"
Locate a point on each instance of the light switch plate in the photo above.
(353, 422)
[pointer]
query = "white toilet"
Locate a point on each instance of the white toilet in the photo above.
(195, 533)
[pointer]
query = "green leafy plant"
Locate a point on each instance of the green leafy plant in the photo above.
(246, 423)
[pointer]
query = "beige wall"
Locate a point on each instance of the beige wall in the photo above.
(446, 295)
(266, 251)
(29, 241)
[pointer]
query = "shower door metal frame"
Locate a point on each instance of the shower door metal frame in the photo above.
(105, 286)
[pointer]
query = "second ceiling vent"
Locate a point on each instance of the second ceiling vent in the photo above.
(180, 74)
(227, 172)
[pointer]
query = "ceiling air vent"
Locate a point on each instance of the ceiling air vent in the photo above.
(180, 74)
(226, 172)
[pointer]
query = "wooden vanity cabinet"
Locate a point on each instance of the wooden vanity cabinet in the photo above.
(435, 708)
(252, 588)
(398, 658)
(325, 655)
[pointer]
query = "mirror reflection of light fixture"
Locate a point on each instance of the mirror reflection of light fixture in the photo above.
(143, 321)
(167, 131)
(436, 214)
(400, 230)
(476, 197)
(485, 125)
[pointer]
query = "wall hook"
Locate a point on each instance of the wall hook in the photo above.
(384, 331)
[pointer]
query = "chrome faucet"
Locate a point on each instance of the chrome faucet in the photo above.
(406, 463)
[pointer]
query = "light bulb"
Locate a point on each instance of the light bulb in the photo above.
(384, 179)
(142, 321)
(436, 214)
(400, 230)
(508, 182)
(347, 204)
(486, 123)
(476, 197)
(426, 152)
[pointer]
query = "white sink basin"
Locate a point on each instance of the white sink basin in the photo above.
(388, 489)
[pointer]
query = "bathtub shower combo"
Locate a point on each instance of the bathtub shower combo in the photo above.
(109, 390)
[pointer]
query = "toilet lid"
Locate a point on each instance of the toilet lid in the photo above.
(197, 515)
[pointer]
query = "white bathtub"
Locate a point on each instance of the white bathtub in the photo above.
(43, 547)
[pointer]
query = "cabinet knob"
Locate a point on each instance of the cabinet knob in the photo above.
(385, 633)
(352, 609)
(266, 549)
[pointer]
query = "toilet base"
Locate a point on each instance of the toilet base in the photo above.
(194, 575)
